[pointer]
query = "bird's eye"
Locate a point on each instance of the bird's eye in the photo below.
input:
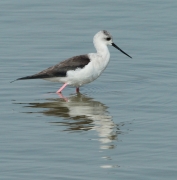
(108, 39)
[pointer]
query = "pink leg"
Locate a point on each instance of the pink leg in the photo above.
(77, 90)
(59, 91)
(62, 97)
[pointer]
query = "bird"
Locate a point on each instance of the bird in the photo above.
(82, 69)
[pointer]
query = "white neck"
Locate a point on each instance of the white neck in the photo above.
(102, 50)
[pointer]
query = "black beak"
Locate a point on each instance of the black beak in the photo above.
(120, 50)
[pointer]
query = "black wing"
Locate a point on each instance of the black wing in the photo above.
(60, 69)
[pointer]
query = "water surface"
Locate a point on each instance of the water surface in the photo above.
(121, 126)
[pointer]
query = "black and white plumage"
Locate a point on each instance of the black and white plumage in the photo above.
(61, 69)
(82, 69)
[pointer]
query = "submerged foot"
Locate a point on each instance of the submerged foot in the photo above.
(77, 90)
(62, 97)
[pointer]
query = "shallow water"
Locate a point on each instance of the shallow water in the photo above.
(123, 125)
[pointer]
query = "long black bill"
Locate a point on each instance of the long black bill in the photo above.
(120, 50)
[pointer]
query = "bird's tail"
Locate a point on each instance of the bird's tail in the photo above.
(26, 77)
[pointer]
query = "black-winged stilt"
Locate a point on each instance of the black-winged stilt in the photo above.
(82, 69)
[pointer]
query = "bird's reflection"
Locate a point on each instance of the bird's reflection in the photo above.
(82, 113)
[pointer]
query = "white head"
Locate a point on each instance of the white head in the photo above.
(104, 38)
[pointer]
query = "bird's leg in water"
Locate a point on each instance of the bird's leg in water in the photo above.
(77, 90)
(59, 91)
(62, 97)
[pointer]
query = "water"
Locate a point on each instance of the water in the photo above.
(123, 125)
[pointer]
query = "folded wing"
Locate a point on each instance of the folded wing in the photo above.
(60, 69)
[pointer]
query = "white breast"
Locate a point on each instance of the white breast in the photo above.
(89, 73)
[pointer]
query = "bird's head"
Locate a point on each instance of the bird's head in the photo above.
(104, 37)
